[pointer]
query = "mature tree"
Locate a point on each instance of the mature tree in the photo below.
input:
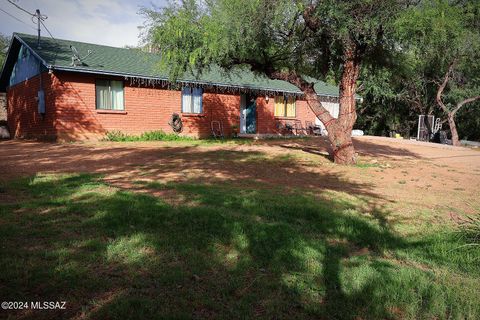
(443, 40)
(282, 39)
(387, 104)
(4, 43)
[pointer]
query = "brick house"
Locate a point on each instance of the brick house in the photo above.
(68, 90)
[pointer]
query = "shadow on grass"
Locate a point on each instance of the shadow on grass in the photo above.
(219, 251)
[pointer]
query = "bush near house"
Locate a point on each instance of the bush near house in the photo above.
(157, 135)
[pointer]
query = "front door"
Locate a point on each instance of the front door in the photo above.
(248, 114)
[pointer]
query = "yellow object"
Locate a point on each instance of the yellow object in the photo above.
(285, 107)
(398, 136)
(291, 112)
(279, 106)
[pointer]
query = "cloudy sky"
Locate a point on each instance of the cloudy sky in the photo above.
(109, 22)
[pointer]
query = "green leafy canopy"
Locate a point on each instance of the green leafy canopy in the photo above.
(4, 43)
(268, 35)
(438, 33)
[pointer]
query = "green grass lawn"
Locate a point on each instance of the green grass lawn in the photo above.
(221, 251)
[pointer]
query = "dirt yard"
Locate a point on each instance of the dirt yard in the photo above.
(263, 229)
(444, 179)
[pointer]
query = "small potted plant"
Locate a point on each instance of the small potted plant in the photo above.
(235, 130)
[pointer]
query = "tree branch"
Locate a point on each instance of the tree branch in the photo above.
(461, 104)
(444, 85)
(313, 23)
(291, 77)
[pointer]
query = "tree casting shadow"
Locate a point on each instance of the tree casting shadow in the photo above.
(227, 251)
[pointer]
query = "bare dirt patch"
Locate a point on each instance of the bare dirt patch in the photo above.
(404, 175)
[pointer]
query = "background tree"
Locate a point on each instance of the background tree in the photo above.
(389, 105)
(285, 40)
(442, 42)
(4, 43)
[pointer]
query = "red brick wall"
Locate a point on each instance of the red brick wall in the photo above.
(71, 113)
(146, 109)
(23, 118)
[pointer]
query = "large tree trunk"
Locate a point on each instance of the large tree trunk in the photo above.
(340, 133)
(453, 129)
(340, 129)
(343, 149)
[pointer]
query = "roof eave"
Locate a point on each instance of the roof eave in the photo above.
(126, 74)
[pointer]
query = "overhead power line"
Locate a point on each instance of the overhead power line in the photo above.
(35, 15)
(16, 5)
(12, 16)
(39, 17)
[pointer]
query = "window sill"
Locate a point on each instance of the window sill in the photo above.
(285, 118)
(111, 111)
(199, 115)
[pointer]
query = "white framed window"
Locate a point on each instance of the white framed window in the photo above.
(109, 94)
(192, 100)
(285, 107)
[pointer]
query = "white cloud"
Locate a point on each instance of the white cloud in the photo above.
(107, 22)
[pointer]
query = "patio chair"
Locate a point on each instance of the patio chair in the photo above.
(279, 126)
(313, 129)
(217, 129)
(297, 125)
(289, 127)
(309, 127)
(284, 127)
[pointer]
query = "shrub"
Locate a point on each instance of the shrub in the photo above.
(157, 135)
(116, 135)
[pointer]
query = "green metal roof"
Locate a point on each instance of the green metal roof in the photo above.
(57, 54)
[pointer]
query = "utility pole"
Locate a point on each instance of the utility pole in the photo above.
(37, 14)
